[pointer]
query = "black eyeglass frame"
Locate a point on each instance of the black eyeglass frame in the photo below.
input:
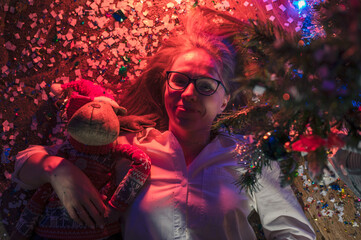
(193, 80)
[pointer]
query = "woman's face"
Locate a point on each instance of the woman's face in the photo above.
(187, 109)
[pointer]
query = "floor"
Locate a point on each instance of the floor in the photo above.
(42, 42)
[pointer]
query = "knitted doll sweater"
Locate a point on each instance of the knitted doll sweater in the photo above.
(46, 216)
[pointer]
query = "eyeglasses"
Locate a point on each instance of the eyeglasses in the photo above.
(204, 85)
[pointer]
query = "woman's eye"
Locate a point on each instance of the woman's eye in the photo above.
(206, 86)
(180, 81)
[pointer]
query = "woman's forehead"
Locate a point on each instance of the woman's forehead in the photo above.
(197, 61)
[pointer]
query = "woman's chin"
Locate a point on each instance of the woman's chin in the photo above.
(185, 122)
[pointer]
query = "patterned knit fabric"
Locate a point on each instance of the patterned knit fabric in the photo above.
(135, 178)
(48, 218)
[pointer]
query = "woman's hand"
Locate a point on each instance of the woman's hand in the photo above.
(78, 195)
(74, 189)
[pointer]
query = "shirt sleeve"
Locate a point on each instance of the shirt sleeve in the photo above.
(281, 215)
(24, 155)
(347, 164)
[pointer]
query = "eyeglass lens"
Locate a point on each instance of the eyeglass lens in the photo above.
(178, 81)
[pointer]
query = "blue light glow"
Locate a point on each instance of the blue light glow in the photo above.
(300, 4)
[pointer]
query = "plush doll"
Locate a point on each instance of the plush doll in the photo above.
(93, 127)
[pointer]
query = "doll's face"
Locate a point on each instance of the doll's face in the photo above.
(94, 124)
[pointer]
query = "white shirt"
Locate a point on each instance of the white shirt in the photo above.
(201, 201)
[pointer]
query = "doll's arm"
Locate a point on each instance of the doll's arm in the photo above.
(134, 123)
(138, 173)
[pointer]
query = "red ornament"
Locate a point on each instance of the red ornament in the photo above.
(308, 143)
(334, 141)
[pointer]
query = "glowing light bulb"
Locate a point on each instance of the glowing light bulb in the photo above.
(300, 4)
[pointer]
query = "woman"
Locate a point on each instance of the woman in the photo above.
(191, 192)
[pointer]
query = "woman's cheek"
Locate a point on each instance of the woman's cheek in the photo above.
(168, 102)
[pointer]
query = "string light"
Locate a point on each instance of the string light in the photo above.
(300, 4)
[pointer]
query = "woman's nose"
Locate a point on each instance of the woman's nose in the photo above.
(190, 92)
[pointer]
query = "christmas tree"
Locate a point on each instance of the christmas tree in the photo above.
(305, 92)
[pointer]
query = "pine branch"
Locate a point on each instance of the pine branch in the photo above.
(247, 120)
(310, 87)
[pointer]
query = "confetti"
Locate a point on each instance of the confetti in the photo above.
(282, 7)
(5, 155)
(269, 7)
(10, 46)
(119, 16)
(104, 41)
(19, 25)
(72, 21)
(6, 7)
(170, 5)
(5, 69)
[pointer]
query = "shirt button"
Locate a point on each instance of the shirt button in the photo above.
(184, 183)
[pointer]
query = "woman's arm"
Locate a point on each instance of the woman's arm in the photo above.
(36, 170)
(281, 215)
(73, 187)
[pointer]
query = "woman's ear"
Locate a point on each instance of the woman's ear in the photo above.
(225, 102)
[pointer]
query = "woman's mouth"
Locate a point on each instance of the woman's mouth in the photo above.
(182, 108)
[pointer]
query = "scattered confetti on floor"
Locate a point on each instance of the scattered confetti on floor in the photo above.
(107, 41)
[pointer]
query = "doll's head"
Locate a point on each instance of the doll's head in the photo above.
(91, 112)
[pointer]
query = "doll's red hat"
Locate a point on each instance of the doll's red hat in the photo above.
(84, 91)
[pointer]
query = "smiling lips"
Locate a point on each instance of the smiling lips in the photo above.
(182, 108)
